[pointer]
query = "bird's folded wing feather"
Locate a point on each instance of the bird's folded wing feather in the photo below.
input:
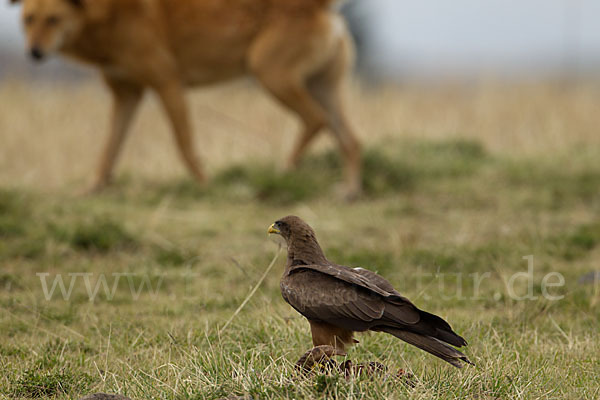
(334, 292)
(322, 297)
(360, 277)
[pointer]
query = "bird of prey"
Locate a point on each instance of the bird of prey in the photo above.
(338, 300)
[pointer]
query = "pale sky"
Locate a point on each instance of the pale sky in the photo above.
(9, 26)
(488, 34)
(444, 36)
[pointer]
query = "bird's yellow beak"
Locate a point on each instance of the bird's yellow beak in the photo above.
(272, 229)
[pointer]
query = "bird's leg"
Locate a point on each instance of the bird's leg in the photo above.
(327, 334)
(319, 357)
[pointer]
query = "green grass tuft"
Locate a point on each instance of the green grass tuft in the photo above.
(14, 214)
(9, 281)
(172, 257)
(558, 183)
(265, 183)
(36, 384)
(386, 174)
(579, 243)
(97, 234)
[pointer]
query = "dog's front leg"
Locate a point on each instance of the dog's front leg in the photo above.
(126, 98)
(172, 96)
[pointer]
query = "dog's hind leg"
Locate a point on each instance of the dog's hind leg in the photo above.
(326, 87)
(293, 93)
(285, 58)
(172, 96)
(126, 98)
(283, 71)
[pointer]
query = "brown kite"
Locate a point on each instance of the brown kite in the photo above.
(338, 301)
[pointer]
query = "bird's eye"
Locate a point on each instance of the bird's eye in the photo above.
(28, 20)
(52, 20)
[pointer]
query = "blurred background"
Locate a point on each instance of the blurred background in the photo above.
(437, 39)
(470, 39)
(516, 78)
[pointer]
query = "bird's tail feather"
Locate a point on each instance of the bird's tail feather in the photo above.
(443, 330)
(430, 345)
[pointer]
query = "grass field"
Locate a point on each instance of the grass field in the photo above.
(461, 185)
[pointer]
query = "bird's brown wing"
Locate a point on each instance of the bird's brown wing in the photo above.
(402, 310)
(360, 277)
(322, 297)
(379, 281)
(345, 298)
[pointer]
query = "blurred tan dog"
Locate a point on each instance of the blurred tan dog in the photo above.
(299, 50)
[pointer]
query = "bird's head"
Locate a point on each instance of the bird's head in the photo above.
(288, 226)
(300, 238)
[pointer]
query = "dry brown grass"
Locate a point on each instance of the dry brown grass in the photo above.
(52, 134)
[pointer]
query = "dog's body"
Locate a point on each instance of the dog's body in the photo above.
(299, 50)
